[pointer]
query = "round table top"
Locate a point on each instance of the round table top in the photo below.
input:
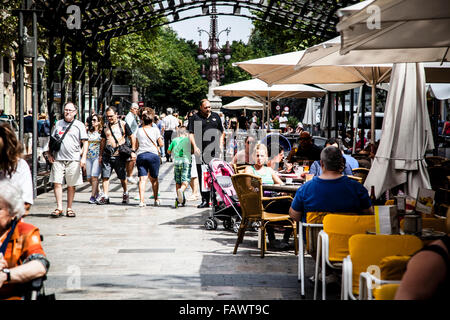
(288, 188)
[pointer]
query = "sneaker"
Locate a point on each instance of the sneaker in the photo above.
(153, 197)
(126, 198)
(157, 203)
(142, 204)
(103, 200)
(92, 200)
(132, 180)
(180, 196)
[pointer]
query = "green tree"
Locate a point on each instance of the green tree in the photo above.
(162, 66)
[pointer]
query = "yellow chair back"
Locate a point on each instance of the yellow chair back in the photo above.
(340, 228)
(386, 291)
(368, 250)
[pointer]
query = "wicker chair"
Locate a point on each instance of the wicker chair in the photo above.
(249, 190)
(361, 172)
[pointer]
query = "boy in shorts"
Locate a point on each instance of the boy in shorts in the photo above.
(181, 150)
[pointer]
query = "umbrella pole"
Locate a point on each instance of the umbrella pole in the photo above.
(355, 129)
(372, 120)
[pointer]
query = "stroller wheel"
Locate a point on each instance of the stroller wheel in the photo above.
(236, 226)
(210, 224)
(227, 224)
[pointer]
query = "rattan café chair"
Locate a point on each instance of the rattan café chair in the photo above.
(249, 190)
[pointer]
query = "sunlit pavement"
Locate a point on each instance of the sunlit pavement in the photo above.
(120, 251)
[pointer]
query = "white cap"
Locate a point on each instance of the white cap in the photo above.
(299, 125)
(134, 105)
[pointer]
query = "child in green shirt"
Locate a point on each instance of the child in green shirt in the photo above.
(181, 150)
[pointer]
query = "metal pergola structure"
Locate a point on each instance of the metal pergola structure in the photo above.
(86, 28)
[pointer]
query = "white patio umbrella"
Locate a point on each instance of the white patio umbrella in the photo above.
(412, 30)
(323, 64)
(244, 103)
(406, 134)
(259, 90)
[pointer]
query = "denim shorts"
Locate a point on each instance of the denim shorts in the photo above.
(148, 163)
(116, 163)
(93, 168)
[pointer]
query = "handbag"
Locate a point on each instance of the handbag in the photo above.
(124, 150)
(157, 149)
(55, 142)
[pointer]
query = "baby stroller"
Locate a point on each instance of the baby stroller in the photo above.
(225, 203)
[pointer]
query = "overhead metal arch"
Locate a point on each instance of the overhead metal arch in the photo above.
(106, 19)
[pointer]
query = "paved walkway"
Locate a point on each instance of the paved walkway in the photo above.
(125, 252)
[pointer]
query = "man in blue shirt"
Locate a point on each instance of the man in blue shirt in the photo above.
(331, 191)
(316, 168)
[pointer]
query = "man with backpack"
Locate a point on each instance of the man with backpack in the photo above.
(113, 137)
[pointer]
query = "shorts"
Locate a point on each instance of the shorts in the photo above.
(182, 172)
(28, 139)
(93, 168)
(148, 163)
(70, 170)
(116, 163)
(193, 168)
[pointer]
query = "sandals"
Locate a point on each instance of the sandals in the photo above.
(70, 213)
(56, 213)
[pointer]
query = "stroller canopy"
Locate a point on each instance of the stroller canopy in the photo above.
(276, 138)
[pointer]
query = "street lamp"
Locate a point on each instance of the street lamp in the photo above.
(214, 53)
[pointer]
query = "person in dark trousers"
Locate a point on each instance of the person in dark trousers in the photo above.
(205, 132)
(170, 125)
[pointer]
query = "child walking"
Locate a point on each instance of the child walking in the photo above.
(181, 150)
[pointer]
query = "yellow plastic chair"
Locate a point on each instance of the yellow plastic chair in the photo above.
(250, 193)
(386, 291)
(366, 251)
(332, 242)
(313, 222)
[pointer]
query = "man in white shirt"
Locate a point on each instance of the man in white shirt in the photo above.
(283, 120)
(170, 125)
(132, 120)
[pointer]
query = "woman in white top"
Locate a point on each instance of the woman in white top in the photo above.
(13, 167)
(148, 159)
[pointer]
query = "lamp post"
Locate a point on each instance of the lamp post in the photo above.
(214, 53)
(40, 62)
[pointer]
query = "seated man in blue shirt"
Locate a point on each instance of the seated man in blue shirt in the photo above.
(316, 168)
(331, 191)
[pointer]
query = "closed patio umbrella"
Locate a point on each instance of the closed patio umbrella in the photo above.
(411, 31)
(406, 134)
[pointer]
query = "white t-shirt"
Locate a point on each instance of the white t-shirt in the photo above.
(170, 122)
(283, 121)
(145, 145)
(71, 145)
(21, 178)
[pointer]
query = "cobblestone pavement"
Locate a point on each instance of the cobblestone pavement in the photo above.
(120, 251)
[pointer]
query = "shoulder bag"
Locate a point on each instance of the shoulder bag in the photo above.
(124, 150)
(55, 143)
(157, 148)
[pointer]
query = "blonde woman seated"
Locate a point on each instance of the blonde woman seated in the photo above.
(269, 176)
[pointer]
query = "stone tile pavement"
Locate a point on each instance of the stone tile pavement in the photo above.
(121, 252)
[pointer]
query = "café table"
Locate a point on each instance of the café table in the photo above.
(287, 188)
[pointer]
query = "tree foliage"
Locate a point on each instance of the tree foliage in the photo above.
(162, 66)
